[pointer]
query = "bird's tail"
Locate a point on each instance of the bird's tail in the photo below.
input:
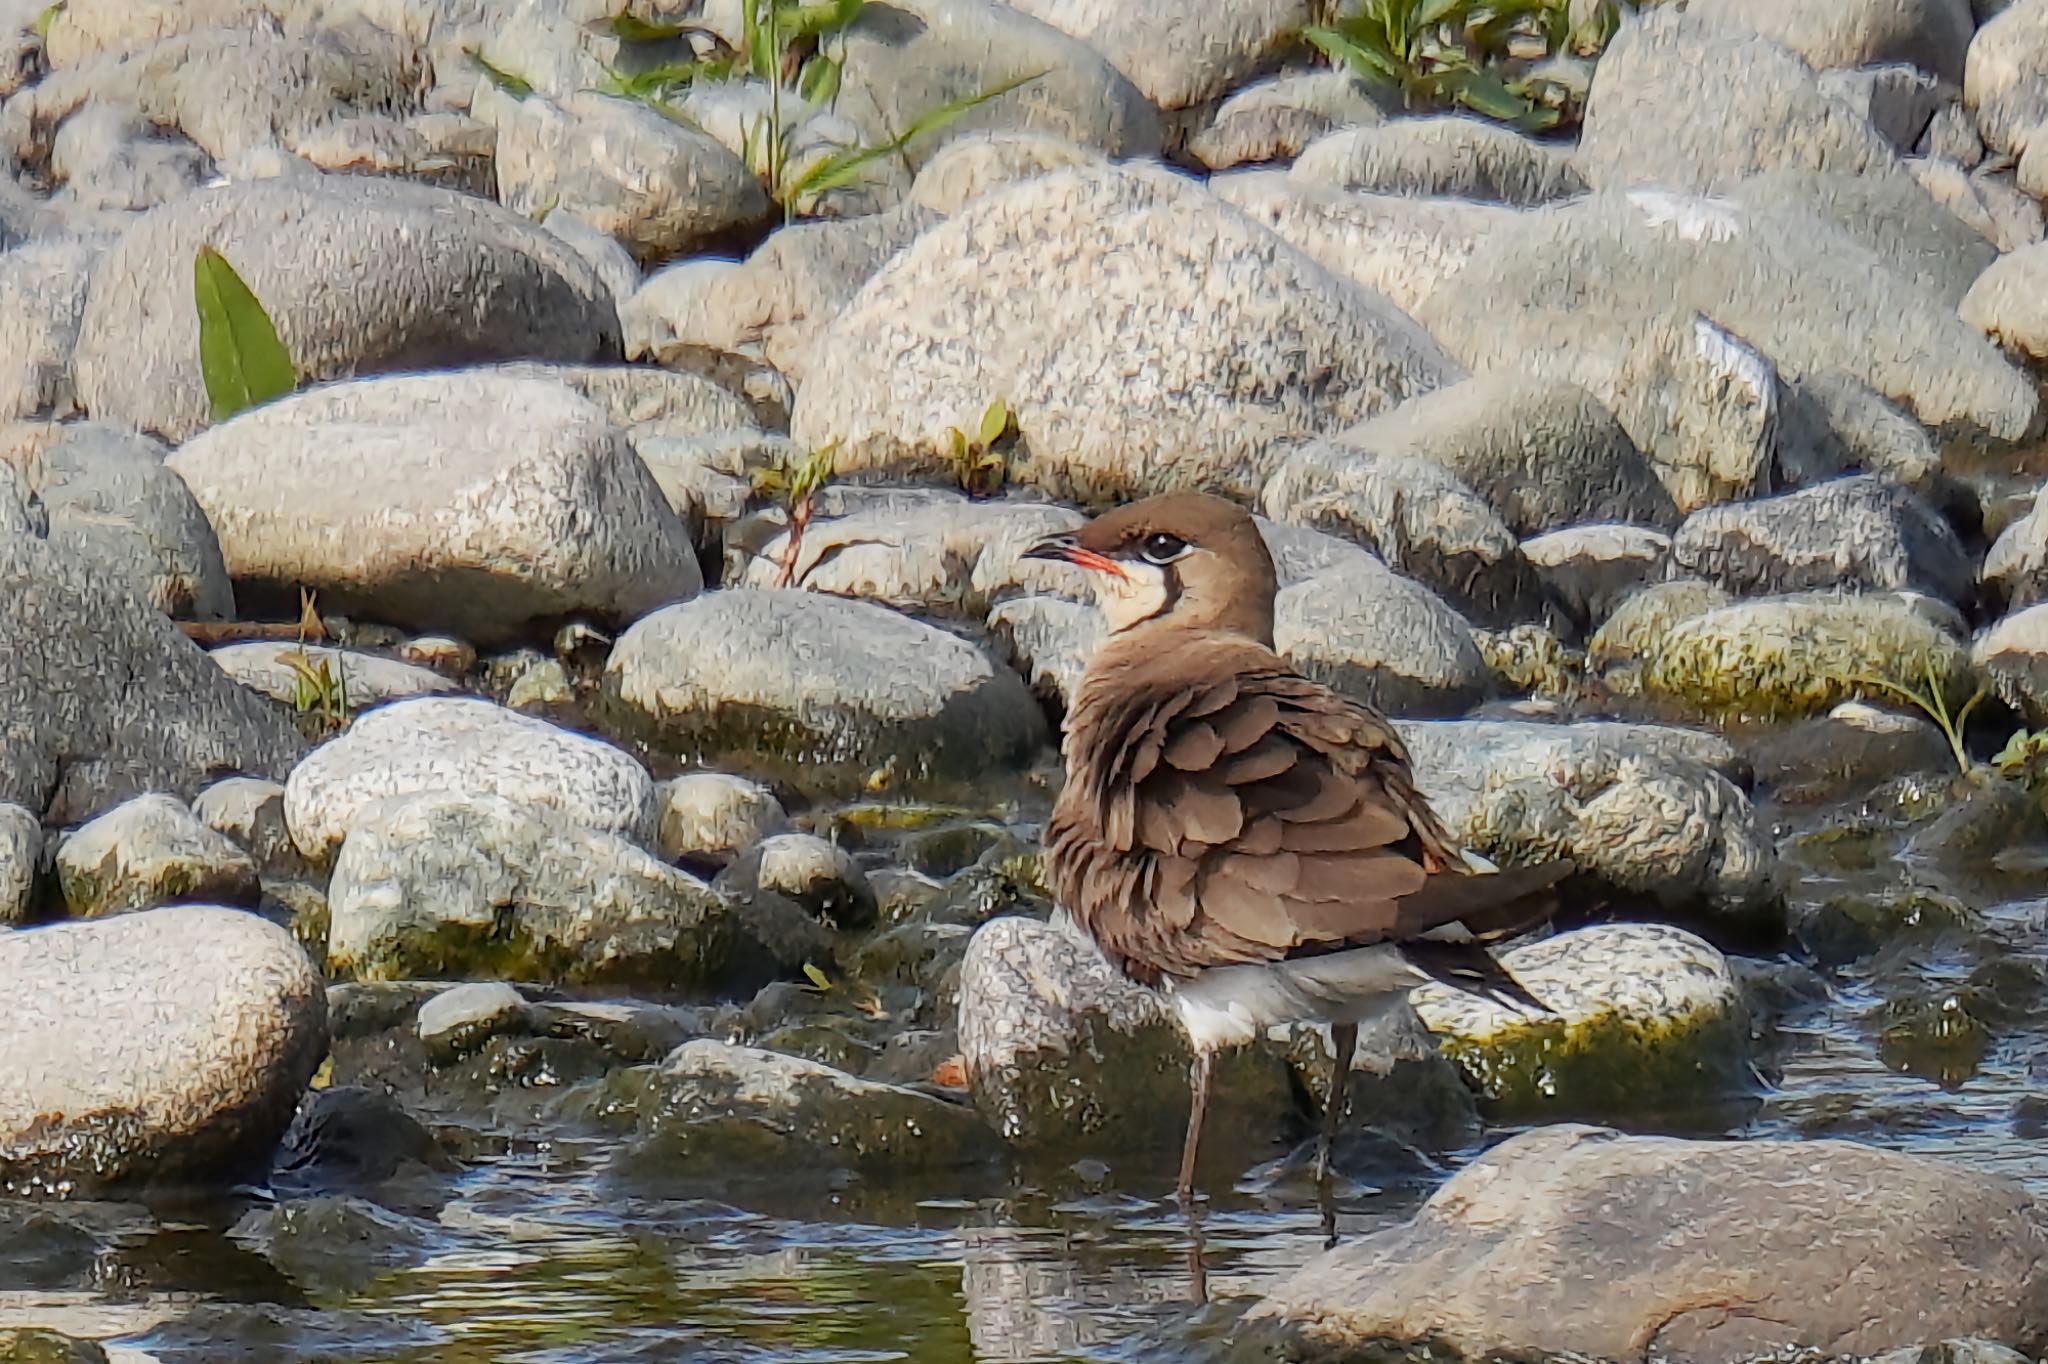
(1459, 916)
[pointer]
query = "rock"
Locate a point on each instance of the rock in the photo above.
(821, 877)
(365, 680)
(1180, 64)
(475, 502)
(105, 159)
(346, 1136)
(2016, 569)
(161, 1048)
(821, 687)
(2013, 656)
(1590, 569)
(249, 813)
(2005, 302)
(1988, 202)
(438, 745)
(1829, 33)
(1238, 374)
(1558, 1241)
(1648, 1019)
(1416, 516)
(1401, 1086)
(544, 684)
(359, 275)
(21, 863)
(42, 295)
(1644, 808)
(972, 165)
(1545, 454)
(457, 884)
(1066, 1058)
(654, 185)
(112, 503)
(2005, 75)
(1275, 118)
(1382, 639)
(334, 1243)
(1845, 752)
(461, 1018)
(104, 697)
(1047, 640)
(1952, 136)
(648, 403)
(601, 251)
(1635, 630)
(1834, 423)
(1781, 657)
(1859, 534)
(1614, 291)
(150, 851)
(1399, 246)
(1897, 99)
(712, 816)
(713, 1110)
(1453, 156)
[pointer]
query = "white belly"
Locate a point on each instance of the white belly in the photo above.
(1230, 1006)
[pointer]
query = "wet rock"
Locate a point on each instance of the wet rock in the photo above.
(364, 679)
(1647, 1019)
(1697, 402)
(2005, 302)
(456, 744)
(150, 851)
(104, 697)
(712, 816)
(452, 884)
(346, 1136)
(1401, 1086)
(1644, 808)
(164, 1048)
(1558, 1241)
(413, 278)
(1859, 534)
(1402, 247)
(1066, 1058)
(21, 863)
(335, 1243)
(1851, 926)
(822, 877)
(1416, 516)
(834, 690)
(1308, 353)
(658, 187)
(1850, 748)
(1590, 569)
(712, 1110)
(2013, 656)
(1275, 118)
(1781, 657)
(34, 1345)
(1986, 814)
(2003, 79)
(460, 1019)
(473, 502)
(42, 295)
(1544, 453)
(112, 503)
(1381, 638)
(1180, 64)
(1452, 156)
(1829, 33)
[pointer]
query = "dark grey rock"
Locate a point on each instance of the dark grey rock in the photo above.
(1590, 569)
(1898, 100)
(336, 1243)
(820, 876)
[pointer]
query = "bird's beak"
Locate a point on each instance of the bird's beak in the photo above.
(1065, 550)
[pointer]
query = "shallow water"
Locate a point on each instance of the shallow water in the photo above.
(538, 1258)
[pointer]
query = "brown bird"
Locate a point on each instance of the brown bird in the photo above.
(1242, 838)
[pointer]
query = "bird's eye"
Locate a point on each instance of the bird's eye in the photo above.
(1161, 548)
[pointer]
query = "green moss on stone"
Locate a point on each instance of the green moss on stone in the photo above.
(1604, 1064)
(1532, 659)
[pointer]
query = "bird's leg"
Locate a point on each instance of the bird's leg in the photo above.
(1343, 1041)
(1198, 1085)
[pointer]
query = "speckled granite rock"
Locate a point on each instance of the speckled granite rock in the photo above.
(711, 816)
(174, 1044)
(21, 863)
(444, 744)
(1452, 156)
(1591, 569)
(365, 679)
(1374, 635)
(150, 851)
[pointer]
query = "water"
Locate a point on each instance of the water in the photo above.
(534, 1257)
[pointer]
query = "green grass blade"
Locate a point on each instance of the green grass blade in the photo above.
(844, 167)
(1367, 60)
(516, 86)
(629, 28)
(240, 356)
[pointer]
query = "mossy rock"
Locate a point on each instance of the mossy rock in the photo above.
(1638, 626)
(1851, 926)
(32, 1345)
(1938, 1036)
(1532, 659)
(1786, 657)
(1646, 1018)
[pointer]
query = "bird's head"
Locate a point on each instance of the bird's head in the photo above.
(1186, 559)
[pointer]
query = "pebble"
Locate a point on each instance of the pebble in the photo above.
(712, 816)
(249, 812)
(150, 851)
(461, 1018)
(1454, 156)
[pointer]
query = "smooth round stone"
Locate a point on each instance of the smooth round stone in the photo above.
(836, 694)
(820, 876)
(151, 850)
(710, 816)
(2013, 654)
(444, 654)
(249, 812)
(162, 1047)
(457, 744)
(364, 679)
(460, 1019)
(21, 854)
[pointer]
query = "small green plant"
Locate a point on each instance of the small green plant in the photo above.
(240, 358)
(1474, 54)
(2025, 756)
(46, 18)
(979, 467)
(516, 86)
(795, 485)
(317, 688)
(1934, 704)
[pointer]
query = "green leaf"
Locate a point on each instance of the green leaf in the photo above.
(47, 18)
(1486, 95)
(817, 977)
(1430, 13)
(995, 419)
(844, 167)
(631, 28)
(515, 86)
(1371, 62)
(764, 56)
(811, 21)
(240, 356)
(819, 82)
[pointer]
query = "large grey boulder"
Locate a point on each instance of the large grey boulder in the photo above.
(42, 296)
(168, 1047)
(360, 275)
(832, 693)
(1181, 58)
(1381, 638)
(436, 745)
(1114, 309)
(476, 502)
(1559, 1242)
(2005, 75)
(1932, 34)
